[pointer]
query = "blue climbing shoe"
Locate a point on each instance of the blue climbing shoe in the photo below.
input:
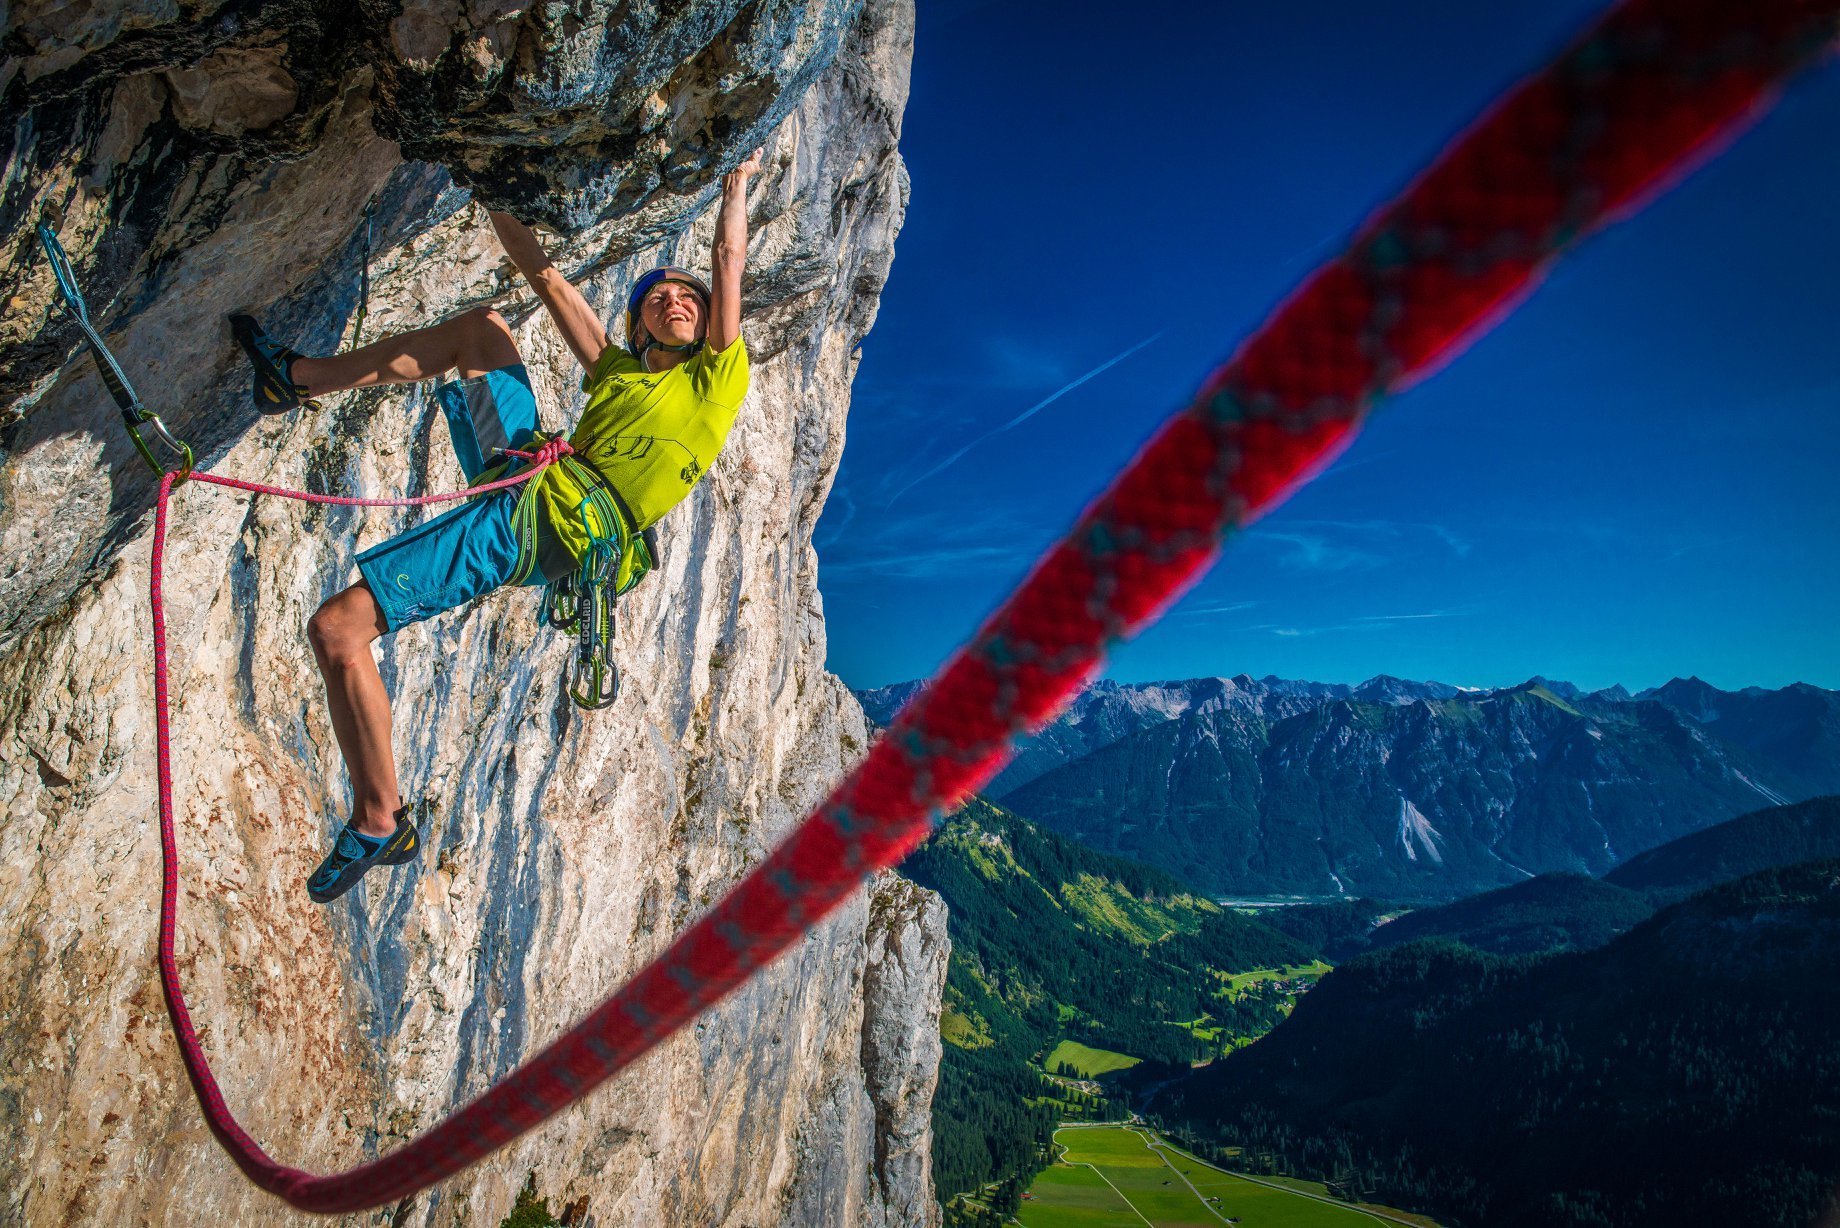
(274, 390)
(353, 853)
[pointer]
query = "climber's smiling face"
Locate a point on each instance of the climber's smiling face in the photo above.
(672, 313)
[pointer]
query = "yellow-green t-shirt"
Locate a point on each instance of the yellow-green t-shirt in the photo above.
(651, 434)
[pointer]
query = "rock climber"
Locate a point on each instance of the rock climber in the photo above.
(658, 411)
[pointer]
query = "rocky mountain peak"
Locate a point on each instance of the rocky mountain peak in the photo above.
(1386, 689)
(1691, 695)
(1564, 690)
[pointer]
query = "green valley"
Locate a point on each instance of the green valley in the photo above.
(1070, 966)
(1565, 1049)
(1086, 1062)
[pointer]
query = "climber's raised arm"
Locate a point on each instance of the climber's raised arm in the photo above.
(581, 328)
(729, 255)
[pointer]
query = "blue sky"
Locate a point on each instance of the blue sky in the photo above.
(1631, 479)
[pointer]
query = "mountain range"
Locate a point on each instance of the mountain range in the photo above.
(1572, 911)
(1412, 791)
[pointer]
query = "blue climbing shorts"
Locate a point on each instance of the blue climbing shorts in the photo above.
(468, 551)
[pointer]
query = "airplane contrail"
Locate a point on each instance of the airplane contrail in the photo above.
(1025, 415)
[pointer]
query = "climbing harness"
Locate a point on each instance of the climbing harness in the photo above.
(616, 559)
(1650, 87)
(135, 416)
(582, 602)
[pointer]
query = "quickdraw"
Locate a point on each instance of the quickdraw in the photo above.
(364, 275)
(583, 603)
(597, 679)
(135, 416)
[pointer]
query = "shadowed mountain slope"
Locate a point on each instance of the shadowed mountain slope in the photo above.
(1781, 835)
(1683, 1073)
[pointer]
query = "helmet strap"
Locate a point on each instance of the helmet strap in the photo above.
(652, 343)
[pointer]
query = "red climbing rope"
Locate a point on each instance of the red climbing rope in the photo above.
(244, 1150)
(1639, 96)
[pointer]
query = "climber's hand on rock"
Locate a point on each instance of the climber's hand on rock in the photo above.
(738, 177)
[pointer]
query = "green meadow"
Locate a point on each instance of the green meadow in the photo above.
(1238, 982)
(1113, 1177)
(1090, 1062)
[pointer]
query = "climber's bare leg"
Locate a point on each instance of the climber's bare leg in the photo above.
(342, 632)
(470, 343)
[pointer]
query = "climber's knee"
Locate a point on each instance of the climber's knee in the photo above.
(486, 343)
(345, 626)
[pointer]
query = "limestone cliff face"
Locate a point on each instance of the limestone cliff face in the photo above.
(217, 158)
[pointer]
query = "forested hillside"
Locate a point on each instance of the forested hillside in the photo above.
(1050, 940)
(1569, 911)
(1337, 929)
(1554, 912)
(1683, 1073)
(1779, 836)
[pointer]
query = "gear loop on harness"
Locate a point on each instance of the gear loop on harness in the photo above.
(134, 416)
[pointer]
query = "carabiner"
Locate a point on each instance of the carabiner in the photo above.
(561, 610)
(182, 451)
(596, 685)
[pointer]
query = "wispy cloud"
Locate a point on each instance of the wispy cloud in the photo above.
(1015, 365)
(1304, 551)
(932, 563)
(1212, 609)
(1363, 622)
(1022, 417)
(929, 546)
(1401, 618)
(1351, 545)
(832, 528)
(1459, 546)
(1351, 460)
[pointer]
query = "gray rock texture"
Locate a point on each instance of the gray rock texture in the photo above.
(216, 156)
